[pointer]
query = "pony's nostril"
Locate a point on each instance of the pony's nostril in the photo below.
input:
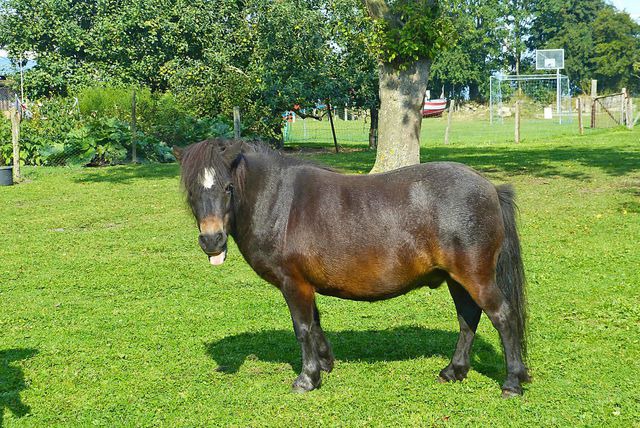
(202, 240)
(218, 238)
(211, 243)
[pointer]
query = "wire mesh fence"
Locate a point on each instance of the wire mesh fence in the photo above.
(351, 127)
(471, 124)
(609, 111)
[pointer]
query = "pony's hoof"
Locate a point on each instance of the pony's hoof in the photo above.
(508, 393)
(449, 374)
(303, 384)
(326, 365)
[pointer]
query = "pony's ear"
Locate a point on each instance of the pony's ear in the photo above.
(177, 152)
(233, 151)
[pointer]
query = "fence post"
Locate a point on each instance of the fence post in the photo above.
(594, 88)
(580, 126)
(16, 116)
(236, 122)
(134, 129)
(449, 113)
(593, 113)
(517, 126)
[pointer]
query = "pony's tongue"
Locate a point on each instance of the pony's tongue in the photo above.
(219, 259)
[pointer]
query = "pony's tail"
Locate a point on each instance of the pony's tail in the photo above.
(510, 270)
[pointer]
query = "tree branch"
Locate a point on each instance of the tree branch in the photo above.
(304, 115)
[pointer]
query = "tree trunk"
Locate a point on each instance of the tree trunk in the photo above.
(400, 116)
(278, 136)
(474, 92)
(373, 129)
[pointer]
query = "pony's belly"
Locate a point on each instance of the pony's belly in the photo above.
(377, 284)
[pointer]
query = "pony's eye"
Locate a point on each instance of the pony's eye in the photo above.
(229, 189)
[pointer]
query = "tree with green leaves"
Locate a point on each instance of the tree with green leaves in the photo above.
(478, 51)
(617, 49)
(519, 18)
(568, 25)
(356, 67)
(600, 42)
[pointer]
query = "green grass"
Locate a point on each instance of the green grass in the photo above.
(111, 316)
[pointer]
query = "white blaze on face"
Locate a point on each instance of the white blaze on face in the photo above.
(208, 178)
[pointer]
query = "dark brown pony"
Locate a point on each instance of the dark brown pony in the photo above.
(307, 229)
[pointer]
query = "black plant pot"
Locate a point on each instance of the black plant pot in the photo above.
(6, 175)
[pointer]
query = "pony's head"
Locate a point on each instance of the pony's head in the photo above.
(206, 172)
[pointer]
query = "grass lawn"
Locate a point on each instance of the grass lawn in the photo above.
(110, 315)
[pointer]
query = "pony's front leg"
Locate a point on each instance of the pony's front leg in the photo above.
(323, 348)
(301, 301)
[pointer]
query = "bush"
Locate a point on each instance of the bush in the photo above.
(94, 129)
(6, 149)
(169, 121)
(100, 141)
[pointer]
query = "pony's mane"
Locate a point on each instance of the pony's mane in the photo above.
(210, 154)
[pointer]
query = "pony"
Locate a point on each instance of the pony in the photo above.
(308, 229)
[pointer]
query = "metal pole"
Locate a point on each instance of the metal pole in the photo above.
(517, 124)
(21, 79)
(558, 95)
(499, 82)
(491, 100)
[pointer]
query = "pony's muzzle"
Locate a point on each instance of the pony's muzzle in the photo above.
(213, 243)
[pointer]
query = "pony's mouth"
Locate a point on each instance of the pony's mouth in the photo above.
(218, 259)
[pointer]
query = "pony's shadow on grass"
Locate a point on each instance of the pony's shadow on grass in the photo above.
(12, 382)
(125, 174)
(397, 344)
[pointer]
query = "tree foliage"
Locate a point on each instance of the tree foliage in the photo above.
(270, 55)
(599, 41)
(408, 30)
(477, 24)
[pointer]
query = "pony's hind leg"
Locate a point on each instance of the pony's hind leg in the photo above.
(468, 316)
(504, 320)
(323, 348)
(492, 301)
(301, 301)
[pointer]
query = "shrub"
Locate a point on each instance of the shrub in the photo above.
(100, 141)
(6, 149)
(169, 121)
(94, 129)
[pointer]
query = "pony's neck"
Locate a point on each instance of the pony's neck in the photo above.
(262, 203)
